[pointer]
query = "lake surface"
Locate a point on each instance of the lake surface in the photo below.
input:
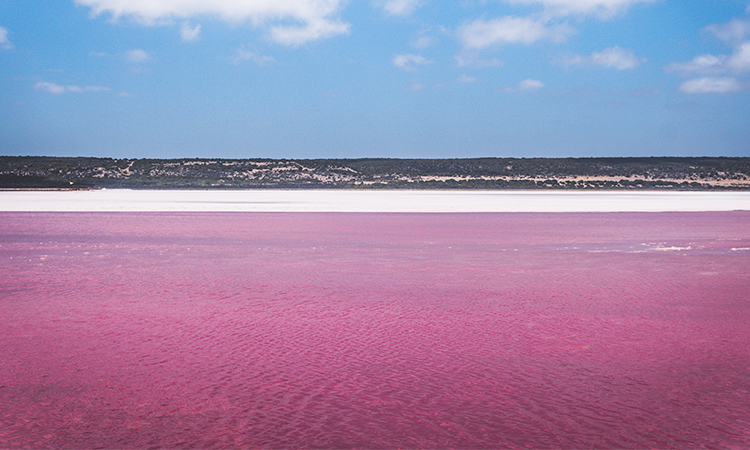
(338, 330)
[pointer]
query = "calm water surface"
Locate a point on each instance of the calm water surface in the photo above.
(595, 330)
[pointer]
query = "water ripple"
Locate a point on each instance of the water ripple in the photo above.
(374, 331)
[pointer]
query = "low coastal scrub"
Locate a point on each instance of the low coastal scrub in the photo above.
(26, 172)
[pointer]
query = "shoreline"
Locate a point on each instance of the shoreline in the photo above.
(346, 200)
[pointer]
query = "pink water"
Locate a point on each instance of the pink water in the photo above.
(136, 330)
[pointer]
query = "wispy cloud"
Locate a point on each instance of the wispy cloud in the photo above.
(53, 88)
(429, 36)
(311, 31)
(137, 55)
(615, 57)
(718, 73)
(732, 33)
(4, 41)
(399, 7)
(738, 62)
(243, 54)
(188, 33)
(711, 85)
(423, 42)
(409, 62)
(96, 88)
(510, 30)
(601, 8)
(315, 19)
(474, 61)
(525, 85)
(703, 64)
(466, 79)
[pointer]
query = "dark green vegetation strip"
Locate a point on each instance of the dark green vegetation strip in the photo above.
(27, 172)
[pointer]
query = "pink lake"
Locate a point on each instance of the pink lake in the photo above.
(387, 330)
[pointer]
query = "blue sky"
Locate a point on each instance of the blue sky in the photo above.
(374, 78)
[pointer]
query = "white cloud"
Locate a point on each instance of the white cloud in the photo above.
(137, 55)
(732, 32)
(526, 85)
(416, 86)
(615, 57)
(312, 31)
(529, 84)
(316, 18)
(601, 8)
(4, 42)
(189, 33)
(409, 62)
(399, 7)
(53, 88)
(428, 36)
(96, 88)
(738, 62)
(703, 64)
(735, 33)
(466, 79)
(474, 61)
(710, 85)
(423, 42)
(509, 29)
(246, 55)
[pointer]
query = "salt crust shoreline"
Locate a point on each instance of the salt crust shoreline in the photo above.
(423, 201)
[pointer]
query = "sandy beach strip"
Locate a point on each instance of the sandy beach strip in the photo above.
(371, 201)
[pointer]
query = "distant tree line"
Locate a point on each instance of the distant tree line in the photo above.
(30, 172)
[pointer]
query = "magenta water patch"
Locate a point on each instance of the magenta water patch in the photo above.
(375, 330)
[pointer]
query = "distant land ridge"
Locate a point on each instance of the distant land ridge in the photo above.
(701, 173)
